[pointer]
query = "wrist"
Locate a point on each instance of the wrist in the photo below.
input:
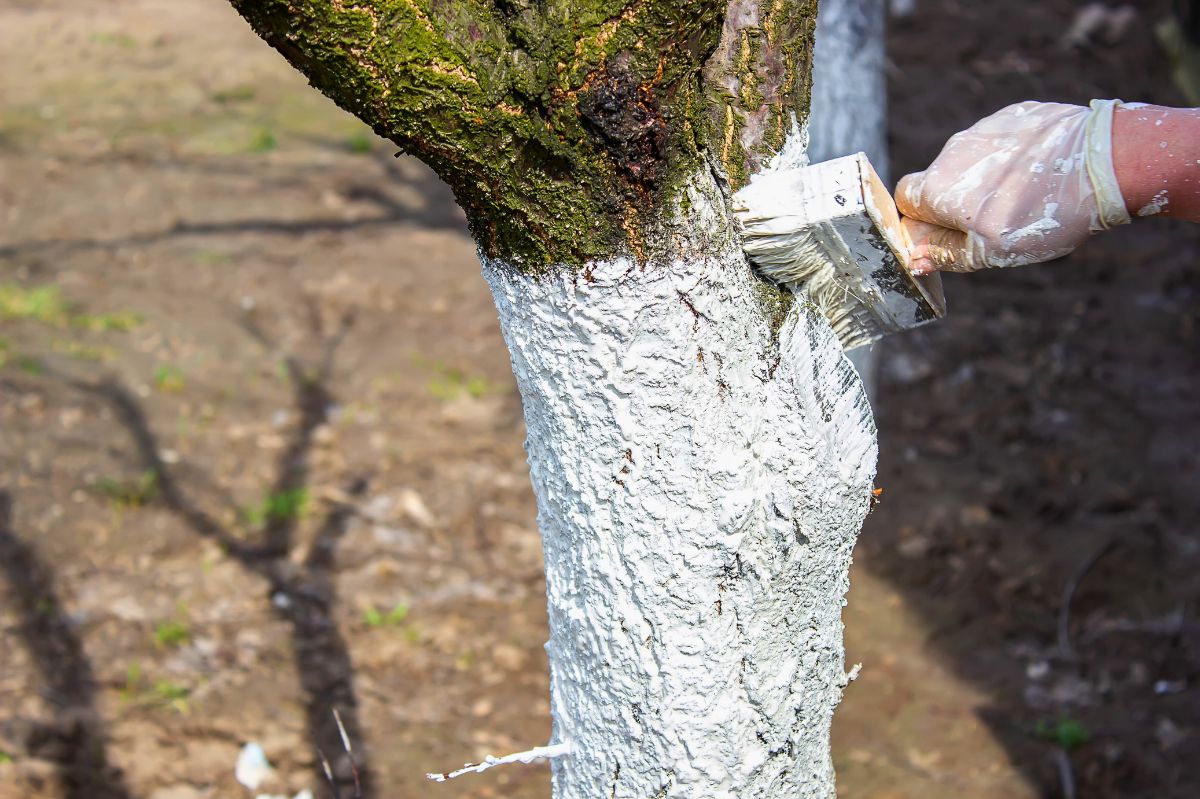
(1111, 209)
(1156, 157)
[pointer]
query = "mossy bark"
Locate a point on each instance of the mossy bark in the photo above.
(565, 127)
(758, 82)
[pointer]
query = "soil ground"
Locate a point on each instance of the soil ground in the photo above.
(260, 448)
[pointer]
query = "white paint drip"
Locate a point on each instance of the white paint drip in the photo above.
(1039, 227)
(528, 756)
(794, 153)
(1157, 203)
(852, 675)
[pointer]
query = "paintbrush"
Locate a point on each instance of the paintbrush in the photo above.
(831, 233)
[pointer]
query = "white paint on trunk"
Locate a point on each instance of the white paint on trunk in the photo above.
(700, 483)
(699, 491)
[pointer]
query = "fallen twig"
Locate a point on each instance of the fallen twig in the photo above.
(1066, 774)
(328, 772)
(349, 753)
(1064, 609)
(1172, 623)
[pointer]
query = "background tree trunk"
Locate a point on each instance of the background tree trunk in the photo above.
(701, 451)
(849, 105)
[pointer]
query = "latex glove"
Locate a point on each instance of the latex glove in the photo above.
(1027, 184)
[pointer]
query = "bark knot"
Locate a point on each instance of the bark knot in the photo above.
(626, 117)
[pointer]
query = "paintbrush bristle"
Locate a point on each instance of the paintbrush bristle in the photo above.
(831, 233)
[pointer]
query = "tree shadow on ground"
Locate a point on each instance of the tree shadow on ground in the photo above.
(75, 741)
(1051, 411)
(302, 593)
(434, 210)
(1039, 517)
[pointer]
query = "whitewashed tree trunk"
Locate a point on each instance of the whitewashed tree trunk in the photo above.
(699, 488)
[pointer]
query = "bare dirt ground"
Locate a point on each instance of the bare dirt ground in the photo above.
(260, 449)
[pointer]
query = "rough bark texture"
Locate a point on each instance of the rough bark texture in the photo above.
(701, 479)
(758, 82)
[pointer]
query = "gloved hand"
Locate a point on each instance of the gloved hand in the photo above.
(1027, 184)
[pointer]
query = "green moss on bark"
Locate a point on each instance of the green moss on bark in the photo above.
(562, 126)
(758, 82)
(774, 301)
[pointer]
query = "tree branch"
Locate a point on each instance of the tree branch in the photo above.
(564, 127)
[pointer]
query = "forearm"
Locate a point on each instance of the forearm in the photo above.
(1156, 155)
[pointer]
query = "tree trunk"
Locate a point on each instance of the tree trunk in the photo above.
(701, 451)
(701, 478)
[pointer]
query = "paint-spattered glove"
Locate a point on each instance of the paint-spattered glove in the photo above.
(1029, 183)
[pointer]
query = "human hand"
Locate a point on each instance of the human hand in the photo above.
(1027, 184)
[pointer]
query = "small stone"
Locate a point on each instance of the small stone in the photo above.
(1168, 733)
(974, 515)
(1166, 687)
(252, 768)
(861, 756)
(378, 508)
(924, 761)
(916, 547)
(416, 509)
(128, 609)
(1138, 673)
(324, 435)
